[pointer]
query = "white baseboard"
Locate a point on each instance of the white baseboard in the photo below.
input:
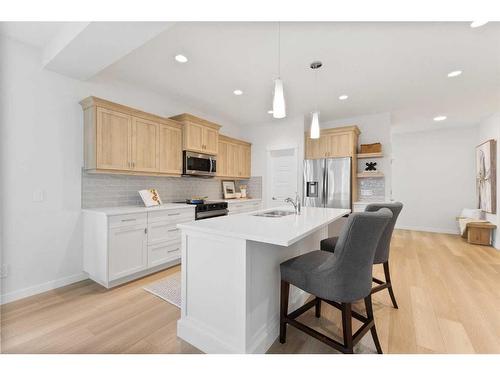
(427, 229)
(40, 288)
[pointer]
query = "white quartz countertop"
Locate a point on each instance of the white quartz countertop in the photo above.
(123, 210)
(283, 231)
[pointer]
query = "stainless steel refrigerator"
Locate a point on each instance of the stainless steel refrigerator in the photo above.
(327, 183)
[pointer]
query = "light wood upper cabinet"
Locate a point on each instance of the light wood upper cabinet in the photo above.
(145, 145)
(120, 139)
(234, 158)
(199, 135)
(193, 137)
(170, 149)
(223, 158)
(336, 142)
(113, 146)
(210, 140)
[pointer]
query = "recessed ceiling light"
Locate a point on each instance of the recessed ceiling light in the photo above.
(455, 73)
(440, 118)
(181, 59)
(238, 92)
(343, 97)
(270, 111)
(475, 24)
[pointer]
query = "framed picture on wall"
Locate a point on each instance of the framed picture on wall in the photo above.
(486, 181)
(228, 189)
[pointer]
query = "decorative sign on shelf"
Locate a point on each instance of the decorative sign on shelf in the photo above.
(371, 166)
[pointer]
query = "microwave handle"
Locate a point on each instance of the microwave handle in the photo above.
(211, 165)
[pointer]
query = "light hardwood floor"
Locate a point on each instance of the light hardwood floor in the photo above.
(448, 292)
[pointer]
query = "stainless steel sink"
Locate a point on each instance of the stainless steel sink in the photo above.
(277, 213)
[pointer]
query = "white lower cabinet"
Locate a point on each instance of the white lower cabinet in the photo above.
(128, 251)
(120, 248)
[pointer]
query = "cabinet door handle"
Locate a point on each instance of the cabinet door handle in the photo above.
(171, 251)
(123, 220)
(173, 230)
(178, 213)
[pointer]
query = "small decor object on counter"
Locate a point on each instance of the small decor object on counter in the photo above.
(228, 189)
(486, 176)
(370, 148)
(371, 166)
(243, 191)
(150, 197)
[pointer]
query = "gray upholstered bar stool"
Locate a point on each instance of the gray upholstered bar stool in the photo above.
(383, 248)
(338, 279)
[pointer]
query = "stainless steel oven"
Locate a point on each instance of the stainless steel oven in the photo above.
(195, 164)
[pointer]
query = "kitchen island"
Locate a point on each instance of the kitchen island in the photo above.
(231, 277)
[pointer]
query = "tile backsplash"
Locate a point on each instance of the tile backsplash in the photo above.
(108, 190)
(371, 189)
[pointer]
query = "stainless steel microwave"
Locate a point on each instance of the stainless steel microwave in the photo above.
(195, 164)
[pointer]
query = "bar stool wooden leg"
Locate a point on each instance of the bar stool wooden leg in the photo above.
(285, 290)
(373, 330)
(318, 308)
(388, 281)
(347, 327)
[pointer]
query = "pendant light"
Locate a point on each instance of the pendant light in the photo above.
(314, 132)
(279, 110)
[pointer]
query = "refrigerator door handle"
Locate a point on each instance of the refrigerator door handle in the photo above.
(325, 182)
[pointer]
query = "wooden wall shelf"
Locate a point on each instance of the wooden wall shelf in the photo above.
(370, 174)
(371, 155)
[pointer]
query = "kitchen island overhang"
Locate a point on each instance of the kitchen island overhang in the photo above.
(231, 277)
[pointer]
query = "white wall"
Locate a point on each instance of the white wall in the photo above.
(41, 150)
(433, 175)
(490, 129)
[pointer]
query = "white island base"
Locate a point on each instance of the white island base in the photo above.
(231, 282)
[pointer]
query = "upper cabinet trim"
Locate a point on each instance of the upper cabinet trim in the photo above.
(186, 117)
(343, 129)
(225, 138)
(103, 103)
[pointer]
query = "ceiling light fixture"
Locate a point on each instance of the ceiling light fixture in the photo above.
(314, 131)
(238, 92)
(279, 108)
(343, 97)
(181, 59)
(455, 73)
(440, 118)
(475, 24)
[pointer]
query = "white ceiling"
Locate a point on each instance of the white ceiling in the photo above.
(37, 34)
(384, 67)
(397, 67)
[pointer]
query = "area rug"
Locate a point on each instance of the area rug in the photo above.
(168, 289)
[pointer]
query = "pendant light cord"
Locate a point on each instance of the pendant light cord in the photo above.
(279, 50)
(316, 87)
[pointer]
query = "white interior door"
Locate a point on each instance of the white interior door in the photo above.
(282, 176)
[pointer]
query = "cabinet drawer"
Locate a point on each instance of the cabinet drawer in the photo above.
(127, 220)
(171, 216)
(163, 231)
(163, 252)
